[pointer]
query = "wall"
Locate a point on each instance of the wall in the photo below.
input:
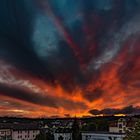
(108, 136)
(25, 134)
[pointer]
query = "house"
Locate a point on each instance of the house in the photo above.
(101, 136)
(65, 134)
(5, 131)
(18, 131)
(25, 132)
(5, 134)
(122, 125)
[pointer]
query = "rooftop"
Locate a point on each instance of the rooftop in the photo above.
(19, 126)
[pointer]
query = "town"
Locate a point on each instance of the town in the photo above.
(94, 128)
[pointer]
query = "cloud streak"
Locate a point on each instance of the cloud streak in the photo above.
(129, 110)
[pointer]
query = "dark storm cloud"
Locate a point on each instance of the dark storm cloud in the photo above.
(93, 95)
(39, 99)
(16, 28)
(111, 111)
(16, 24)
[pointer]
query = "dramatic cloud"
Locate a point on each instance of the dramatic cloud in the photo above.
(112, 111)
(49, 101)
(68, 56)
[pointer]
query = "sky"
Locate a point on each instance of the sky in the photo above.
(67, 58)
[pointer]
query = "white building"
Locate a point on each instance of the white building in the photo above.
(101, 136)
(64, 133)
(18, 131)
(66, 136)
(5, 134)
(25, 134)
(121, 125)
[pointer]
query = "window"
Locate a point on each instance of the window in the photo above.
(120, 125)
(124, 129)
(124, 122)
(2, 132)
(120, 131)
(86, 137)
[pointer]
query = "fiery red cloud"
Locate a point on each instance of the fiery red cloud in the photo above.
(117, 86)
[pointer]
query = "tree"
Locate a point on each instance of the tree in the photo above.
(114, 138)
(91, 126)
(60, 138)
(134, 134)
(44, 136)
(49, 136)
(41, 136)
(76, 130)
(96, 125)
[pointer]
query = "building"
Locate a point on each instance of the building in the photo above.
(122, 125)
(24, 134)
(65, 136)
(18, 131)
(101, 136)
(64, 133)
(5, 134)
(5, 131)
